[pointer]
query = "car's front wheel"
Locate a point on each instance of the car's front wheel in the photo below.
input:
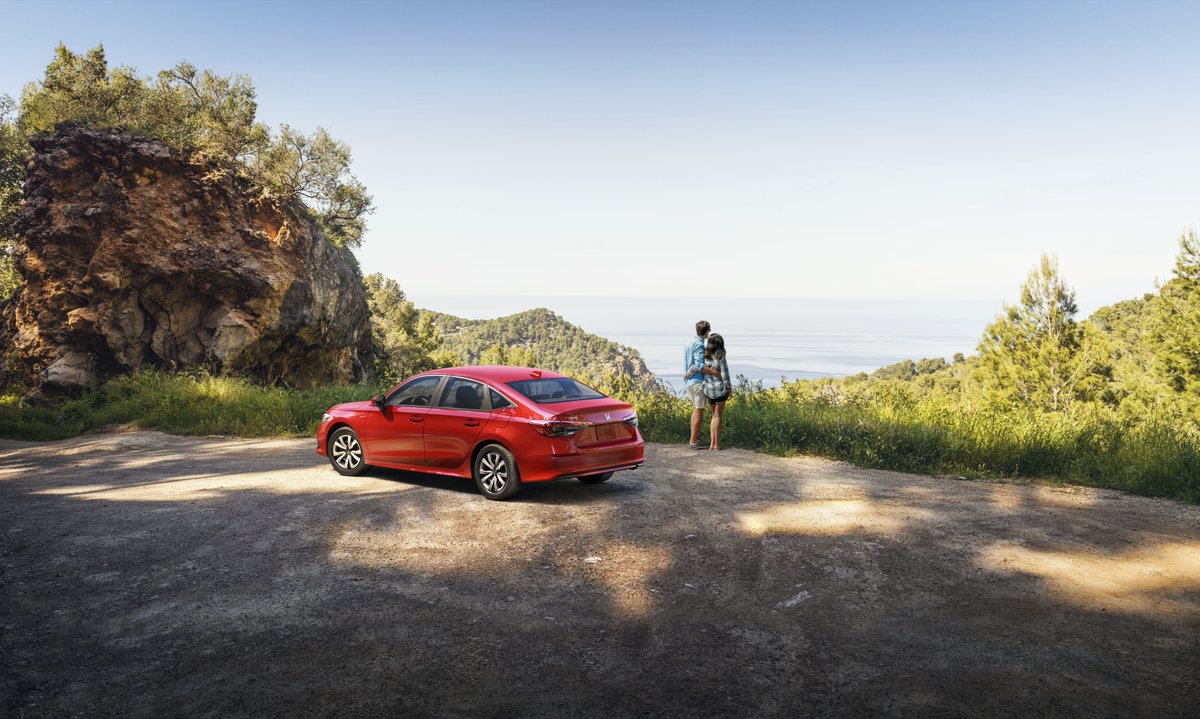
(496, 473)
(346, 452)
(596, 478)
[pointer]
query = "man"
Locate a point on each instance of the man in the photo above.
(693, 361)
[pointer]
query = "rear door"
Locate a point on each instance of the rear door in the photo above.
(453, 424)
(395, 434)
(503, 408)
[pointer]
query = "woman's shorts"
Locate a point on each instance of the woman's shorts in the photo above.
(722, 398)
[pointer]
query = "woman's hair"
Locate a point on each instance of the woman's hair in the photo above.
(714, 348)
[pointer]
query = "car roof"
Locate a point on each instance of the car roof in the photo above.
(501, 374)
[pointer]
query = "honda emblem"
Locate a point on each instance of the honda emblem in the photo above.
(607, 416)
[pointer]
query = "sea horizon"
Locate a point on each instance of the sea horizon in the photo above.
(768, 339)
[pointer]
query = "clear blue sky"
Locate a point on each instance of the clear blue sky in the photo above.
(734, 149)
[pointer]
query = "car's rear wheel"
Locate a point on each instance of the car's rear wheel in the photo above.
(496, 473)
(346, 452)
(596, 478)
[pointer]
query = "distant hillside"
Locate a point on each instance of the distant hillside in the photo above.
(539, 338)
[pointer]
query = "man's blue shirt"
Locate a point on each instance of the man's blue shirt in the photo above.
(693, 360)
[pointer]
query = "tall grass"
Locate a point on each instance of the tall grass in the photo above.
(1148, 456)
(180, 404)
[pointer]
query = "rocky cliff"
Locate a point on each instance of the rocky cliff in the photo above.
(134, 257)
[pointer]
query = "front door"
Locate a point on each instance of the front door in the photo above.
(395, 435)
(452, 426)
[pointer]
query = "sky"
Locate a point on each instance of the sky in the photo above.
(750, 149)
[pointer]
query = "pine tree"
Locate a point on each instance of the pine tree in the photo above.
(1178, 360)
(405, 340)
(1036, 355)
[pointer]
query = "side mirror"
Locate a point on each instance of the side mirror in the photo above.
(377, 400)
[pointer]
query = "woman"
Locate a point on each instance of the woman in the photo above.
(717, 385)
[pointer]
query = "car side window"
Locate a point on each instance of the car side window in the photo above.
(499, 401)
(462, 394)
(416, 393)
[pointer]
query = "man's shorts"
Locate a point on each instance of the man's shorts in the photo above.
(696, 393)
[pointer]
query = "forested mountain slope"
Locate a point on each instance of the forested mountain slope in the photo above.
(539, 338)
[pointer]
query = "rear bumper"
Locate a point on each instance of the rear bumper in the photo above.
(597, 470)
(595, 460)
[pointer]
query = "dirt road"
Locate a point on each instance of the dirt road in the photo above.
(145, 575)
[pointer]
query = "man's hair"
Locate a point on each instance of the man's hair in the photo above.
(702, 328)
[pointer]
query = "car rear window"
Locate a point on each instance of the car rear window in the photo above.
(554, 389)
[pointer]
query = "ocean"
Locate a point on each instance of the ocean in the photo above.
(766, 339)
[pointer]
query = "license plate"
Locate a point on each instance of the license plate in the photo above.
(607, 431)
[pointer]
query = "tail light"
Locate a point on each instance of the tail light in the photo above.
(631, 420)
(557, 428)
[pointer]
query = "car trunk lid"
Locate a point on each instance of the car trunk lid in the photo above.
(605, 420)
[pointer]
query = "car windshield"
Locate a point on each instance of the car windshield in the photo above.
(554, 389)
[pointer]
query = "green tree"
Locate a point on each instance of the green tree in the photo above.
(515, 356)
(316, 169)
(82, 88)
(211, 117)
(1178, 358)
(1036, 355)
(208, 114)
(14, 151)
(1133, 331)
(405, 340)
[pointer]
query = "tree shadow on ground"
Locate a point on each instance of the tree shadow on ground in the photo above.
(224, 577)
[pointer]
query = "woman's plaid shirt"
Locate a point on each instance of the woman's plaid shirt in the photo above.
(717, 386)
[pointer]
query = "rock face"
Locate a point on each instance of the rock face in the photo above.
(134, 257)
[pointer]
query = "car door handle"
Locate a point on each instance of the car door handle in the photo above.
(415, 418)
(472, 423)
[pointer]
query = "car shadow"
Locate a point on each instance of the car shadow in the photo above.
(562, 491)
(572, 491)
(424, 479)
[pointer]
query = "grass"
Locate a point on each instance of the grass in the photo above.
(1097, 448)
(180, 404)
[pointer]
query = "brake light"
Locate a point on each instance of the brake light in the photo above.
(557, 428)
(631, 420)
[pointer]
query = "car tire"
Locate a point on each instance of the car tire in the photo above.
(496, 474)
(596, 478)
(346, 453)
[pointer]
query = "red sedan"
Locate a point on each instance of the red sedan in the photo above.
(502, 426)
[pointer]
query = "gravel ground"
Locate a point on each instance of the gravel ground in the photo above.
(146, 575)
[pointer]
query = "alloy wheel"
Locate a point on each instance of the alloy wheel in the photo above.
(347, 452)
(493, 472)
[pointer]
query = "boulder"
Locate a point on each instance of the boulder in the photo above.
(133, 257)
